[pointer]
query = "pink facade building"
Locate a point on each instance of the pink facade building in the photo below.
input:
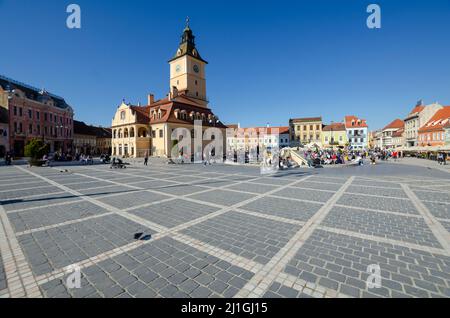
(35, 113)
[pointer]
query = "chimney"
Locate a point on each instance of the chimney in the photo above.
(151, 99)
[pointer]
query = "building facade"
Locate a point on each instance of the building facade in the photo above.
(4, 123)
(418, 117)
(35, 113)
(433, 132)
(130, 131)
(150, 129)
(245, 139)
(334, 135)
(388, 133)
(103, 140)
(447, 135)
(305, 130)
(357, 132)
(91, 140)
(398, 138)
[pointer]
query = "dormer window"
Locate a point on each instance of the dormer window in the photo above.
(122, 115)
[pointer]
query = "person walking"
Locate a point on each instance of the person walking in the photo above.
(146, 159)
(440, 158)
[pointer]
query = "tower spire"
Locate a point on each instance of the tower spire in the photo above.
(187, 22)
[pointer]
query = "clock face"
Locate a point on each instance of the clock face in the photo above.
(178, 68)
(196, 69)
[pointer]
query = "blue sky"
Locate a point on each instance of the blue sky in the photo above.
(268, 60)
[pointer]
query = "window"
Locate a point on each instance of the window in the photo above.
(30, 128)
(38, 129)
(30, 114)
(20, 128)
(15, 110)
(20, 111)
(38, 115)
(298, 128)
(15, 127)
(161, 133)
(196, 82)
(311, 127)
(45, 116)
(317, 127)
(153, 133)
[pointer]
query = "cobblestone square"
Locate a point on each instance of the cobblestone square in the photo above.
(223, 231)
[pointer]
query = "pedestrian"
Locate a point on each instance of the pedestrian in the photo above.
(440, 158)
(146, 159)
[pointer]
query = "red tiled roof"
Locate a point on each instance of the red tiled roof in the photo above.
(417, 109)
(334, 127)
(396, 124)
(398, 133)
(143, 113)
(182, 103)
(353, 119)
(438, 121)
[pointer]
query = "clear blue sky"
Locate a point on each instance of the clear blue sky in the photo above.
(269, 60)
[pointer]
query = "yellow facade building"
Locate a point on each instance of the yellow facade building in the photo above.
(306, 130)
(140, 130)
(334, 135)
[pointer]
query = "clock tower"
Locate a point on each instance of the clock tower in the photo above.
(187, 70)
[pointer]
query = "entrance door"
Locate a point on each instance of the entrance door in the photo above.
(19, 148)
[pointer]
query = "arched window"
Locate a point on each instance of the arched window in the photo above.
(142, 132)
(114, 133)
(125, 133)
(120, 133)
(132, 132)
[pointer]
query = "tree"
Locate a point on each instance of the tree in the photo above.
(35, 150)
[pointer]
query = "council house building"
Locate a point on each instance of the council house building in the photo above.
(140, 130)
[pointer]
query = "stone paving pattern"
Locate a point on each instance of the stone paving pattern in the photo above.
(212, 231)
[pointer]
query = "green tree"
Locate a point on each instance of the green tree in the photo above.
(36, 149)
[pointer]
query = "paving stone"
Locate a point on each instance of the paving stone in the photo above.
(295, 210)
(401, 228)
(230, 229)
(173, 213)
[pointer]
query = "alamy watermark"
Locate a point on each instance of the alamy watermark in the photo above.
(74, 19)
(374, 278)
(374, 19)
(74, 277)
